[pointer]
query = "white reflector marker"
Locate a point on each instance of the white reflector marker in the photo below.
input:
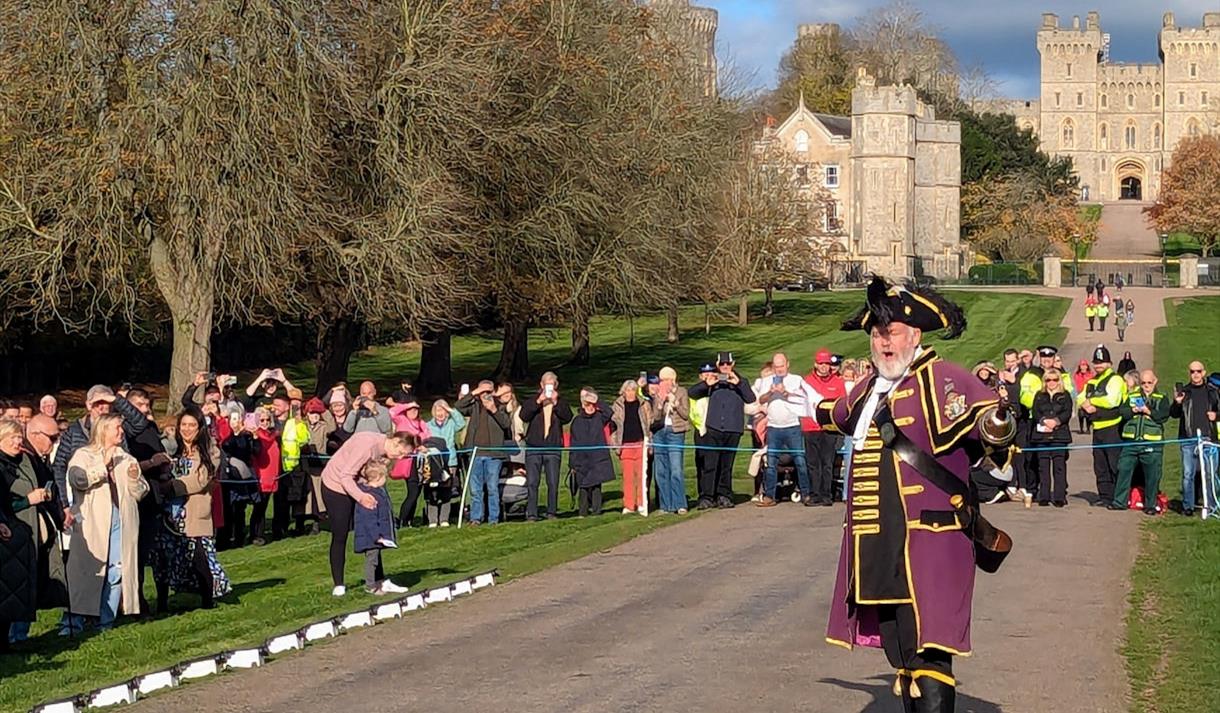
(484, 580)
(112, 696)
(355, 621)
(67, 705)
(286, 642)
(392, 610)
(244, 658)
(148, 683)
(198, 668)
(413, 602)
(320, 630)
(462, 587)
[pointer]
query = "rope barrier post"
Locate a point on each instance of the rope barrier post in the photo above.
(474, 453)
(1205, 476)
(644, 477)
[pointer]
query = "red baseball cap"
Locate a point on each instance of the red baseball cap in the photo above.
(822, 357)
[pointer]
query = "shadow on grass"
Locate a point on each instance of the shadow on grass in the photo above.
(884, 700)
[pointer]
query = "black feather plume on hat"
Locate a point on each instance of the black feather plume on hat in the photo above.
(920, 307)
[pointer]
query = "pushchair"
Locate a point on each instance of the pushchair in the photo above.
(437, 480)
(514, 491)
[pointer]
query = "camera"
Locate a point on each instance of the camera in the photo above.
(211, 376)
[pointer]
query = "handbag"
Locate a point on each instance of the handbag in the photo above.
(991, 544)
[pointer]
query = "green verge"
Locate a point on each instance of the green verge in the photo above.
(1172, 646)
(285, 585)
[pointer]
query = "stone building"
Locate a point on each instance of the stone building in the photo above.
(1119, 123)
(892, 179)
(701, 24)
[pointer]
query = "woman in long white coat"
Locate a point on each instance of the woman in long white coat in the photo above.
(103, 574)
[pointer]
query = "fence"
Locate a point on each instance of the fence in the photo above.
(1134, 273)
(1005, 273)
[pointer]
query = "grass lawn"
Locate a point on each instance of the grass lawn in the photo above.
(286, 584)
(1173, 624)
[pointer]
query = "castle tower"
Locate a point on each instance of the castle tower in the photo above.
(1070, 57)
(1192, 78)
(883, 175)
(701, 23)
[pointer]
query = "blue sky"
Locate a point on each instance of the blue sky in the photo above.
(998, 35)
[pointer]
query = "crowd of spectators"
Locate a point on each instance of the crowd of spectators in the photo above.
(87, 505)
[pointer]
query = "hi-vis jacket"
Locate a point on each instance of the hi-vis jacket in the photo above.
(1141, 426)
(1106, 392)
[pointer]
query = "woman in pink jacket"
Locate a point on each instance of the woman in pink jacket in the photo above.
(404, 414)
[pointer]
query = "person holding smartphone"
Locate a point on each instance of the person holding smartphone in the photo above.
(1144, 414)
(786, 398)
(727, 394)
(1195, 404)
(545, 417)
(486, 422)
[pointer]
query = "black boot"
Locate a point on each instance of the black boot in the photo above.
(933, 696)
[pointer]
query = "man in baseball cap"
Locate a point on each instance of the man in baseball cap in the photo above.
(98, 399)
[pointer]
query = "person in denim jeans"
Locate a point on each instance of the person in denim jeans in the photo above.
(1196, 405)
(487, 420)
(670, 422)
(786, 397)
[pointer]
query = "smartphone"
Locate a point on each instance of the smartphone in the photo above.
(251, 421)
(1138, 402)
(1179, 387)
(548, 391)
(777, 380)
(644, 376)
(464, 390)
(722, 378)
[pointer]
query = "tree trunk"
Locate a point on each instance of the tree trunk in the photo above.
(743, 310)
(769, 304)
(672, 334)
(579, 356)
(435, 376)
(337, 341)
(514, 353)
(192, 302)
(192, 346)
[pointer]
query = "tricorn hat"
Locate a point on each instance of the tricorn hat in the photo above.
(910, 304)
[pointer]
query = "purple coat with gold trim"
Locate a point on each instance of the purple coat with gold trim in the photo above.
(902, 539)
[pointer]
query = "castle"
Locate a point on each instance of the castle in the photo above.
(1119, 123)
(892, 172)
(700, 24)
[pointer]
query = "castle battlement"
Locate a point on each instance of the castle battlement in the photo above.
(1119, 122)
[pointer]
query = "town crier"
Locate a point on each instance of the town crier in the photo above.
(913, 534)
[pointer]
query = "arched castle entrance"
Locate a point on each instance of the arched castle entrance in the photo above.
(1131, 177)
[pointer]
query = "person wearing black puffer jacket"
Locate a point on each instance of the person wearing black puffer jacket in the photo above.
(727, 395)
(1051, 417)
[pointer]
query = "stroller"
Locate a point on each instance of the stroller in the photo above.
(514, 493)
(785, 478)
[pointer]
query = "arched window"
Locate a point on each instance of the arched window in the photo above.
(1104, 102)
(1069, 134)
(1192, 128)
(1129, 136)
(802, 141)
(1156, 136)
(1130, 101)
(1103, 137)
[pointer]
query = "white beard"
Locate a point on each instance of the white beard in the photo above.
(893, 371)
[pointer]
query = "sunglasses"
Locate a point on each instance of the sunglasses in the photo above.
(1052, 381)
(1196, 371)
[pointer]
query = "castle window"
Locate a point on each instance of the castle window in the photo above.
(1156, 100)
(1129, 137)
(1079, 98)
(1104, 102)
(830, 217)
(802, 141)
(1104, 136)
(1181, 98)
(1192, 128)
(1069, 134)
(1069, 70)
(1156, 136)
(832, 176)
(1130, 101)
(1056, 98)
(1194, 70)
(1203, 99)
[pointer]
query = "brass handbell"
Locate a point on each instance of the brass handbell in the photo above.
(998, 425)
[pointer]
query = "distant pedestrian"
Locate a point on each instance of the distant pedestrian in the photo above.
(1103, 311)
(727, 394)
(1090, 310)
(1120, 324)
(1052, 416)
(590, 457)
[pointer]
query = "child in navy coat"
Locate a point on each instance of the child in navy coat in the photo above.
(374, 527)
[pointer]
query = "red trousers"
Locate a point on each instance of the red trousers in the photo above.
(632, 456)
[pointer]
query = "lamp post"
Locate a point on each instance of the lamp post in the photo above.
(1164, 264)
(1075, 258)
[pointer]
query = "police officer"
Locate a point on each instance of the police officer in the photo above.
(1101, 399)
(1144, 415)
